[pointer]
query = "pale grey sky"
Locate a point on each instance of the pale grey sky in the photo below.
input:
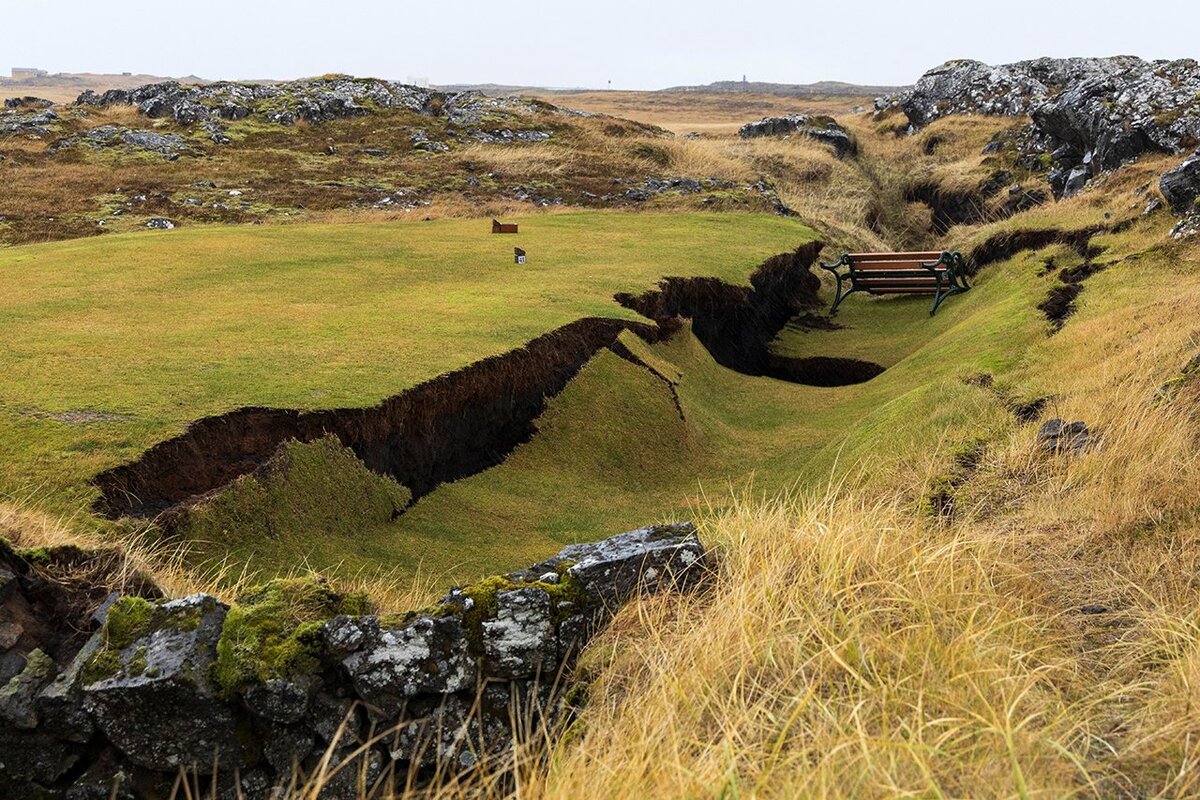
(637, 44)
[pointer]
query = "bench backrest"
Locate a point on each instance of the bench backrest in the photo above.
(866, 262)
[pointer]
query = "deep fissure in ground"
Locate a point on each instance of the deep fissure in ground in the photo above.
(466, 421)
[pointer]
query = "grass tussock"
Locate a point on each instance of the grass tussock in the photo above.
(844, 651)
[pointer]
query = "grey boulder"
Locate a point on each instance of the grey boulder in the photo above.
(1181, 186)
(393, 663)
(159, 707)
(1059, 436)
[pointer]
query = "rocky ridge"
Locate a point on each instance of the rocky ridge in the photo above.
(295, 672)
(314, 100)
(1088, 115)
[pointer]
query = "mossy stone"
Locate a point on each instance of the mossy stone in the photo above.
(274, 631)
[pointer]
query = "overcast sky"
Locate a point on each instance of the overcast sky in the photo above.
(636, 44)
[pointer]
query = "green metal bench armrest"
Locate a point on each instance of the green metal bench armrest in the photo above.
(952, 263)
(844, 261)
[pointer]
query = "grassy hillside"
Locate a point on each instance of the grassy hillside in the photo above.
(1036, 639)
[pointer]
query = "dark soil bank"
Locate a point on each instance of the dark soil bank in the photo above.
(736, 324)
(825, 370)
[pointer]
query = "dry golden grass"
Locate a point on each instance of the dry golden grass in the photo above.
(845, 652)
(167, 565)
(703, 112)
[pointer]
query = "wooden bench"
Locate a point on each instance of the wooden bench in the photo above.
(928, 272)
(503, 227)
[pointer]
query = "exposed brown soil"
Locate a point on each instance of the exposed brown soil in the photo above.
(949, 208)
(468, 420)
(1060, 303)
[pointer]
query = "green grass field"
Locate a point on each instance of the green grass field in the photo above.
(147, 332)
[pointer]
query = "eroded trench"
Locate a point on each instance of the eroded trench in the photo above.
(466, 421)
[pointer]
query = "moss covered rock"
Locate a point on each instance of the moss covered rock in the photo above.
(271, 643)
(149, 690)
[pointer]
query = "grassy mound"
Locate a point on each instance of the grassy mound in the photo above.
(309, 504)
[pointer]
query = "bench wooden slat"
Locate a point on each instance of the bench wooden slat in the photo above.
(874, 273)
(898, 254)
(923, 255)
(888, 266)
(884, 283)
(901, 290)
(901, 271)
(901, 263)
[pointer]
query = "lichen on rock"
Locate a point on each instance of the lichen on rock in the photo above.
(296, 672)
(1089, 114)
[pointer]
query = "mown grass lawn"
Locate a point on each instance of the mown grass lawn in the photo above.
(150, 331)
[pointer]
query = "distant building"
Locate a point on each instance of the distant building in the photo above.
(25, 73)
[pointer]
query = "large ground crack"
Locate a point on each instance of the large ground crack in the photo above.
(455, 425)
(471, 419)
(1006, 244)
(737, 324)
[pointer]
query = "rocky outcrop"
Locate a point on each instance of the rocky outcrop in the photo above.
(315, 101)
(1062, 437)
(1187, 227)
(1089, 114)
(169, 145)
(38, 123)
(1181, 186)
(51, 600)
(823, 129)
(652, 187)
(27, 102)
(295, 673)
